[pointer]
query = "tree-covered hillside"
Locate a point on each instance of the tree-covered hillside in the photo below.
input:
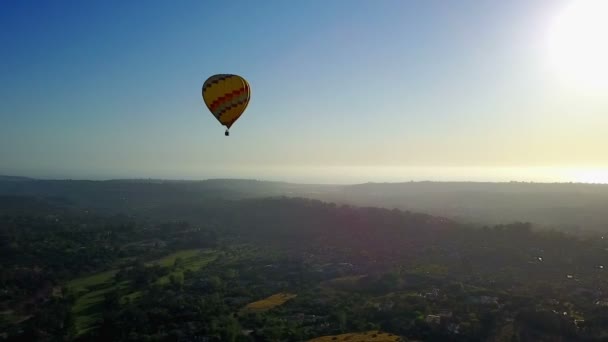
(576, 208)
(290, 269)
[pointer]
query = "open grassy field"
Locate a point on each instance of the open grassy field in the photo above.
(372, 336)
(87, 282)
(269, 302)
(431, 269)
(188, 260)
(12, 317)
(90, 291)
(131, 296)
(344, 283)
(169, 260)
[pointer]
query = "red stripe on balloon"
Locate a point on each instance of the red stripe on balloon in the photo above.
(225, 98)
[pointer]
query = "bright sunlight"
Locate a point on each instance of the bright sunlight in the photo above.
(578, 45)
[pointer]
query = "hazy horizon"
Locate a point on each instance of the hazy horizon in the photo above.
(358, 175)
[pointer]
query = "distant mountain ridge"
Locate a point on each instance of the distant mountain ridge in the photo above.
(571, 206)
(14, 178)
(456, 184)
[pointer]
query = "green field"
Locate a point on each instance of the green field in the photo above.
(187, 260)
(12, 317)
(82, 283)
(431, 269)
(344, 283)
(90, 290)
(169, 260)
(131, 296)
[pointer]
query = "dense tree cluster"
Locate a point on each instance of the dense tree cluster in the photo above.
(353, 269)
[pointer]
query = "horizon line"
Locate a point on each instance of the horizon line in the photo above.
(135, 179)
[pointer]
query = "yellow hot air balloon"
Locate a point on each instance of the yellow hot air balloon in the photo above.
(227, 97)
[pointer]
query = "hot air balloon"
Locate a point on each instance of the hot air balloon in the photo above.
(227, 97)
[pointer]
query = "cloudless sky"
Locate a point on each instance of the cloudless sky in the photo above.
(342, 90)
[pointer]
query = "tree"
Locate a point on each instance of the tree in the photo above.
(231, 329)
(177, 279)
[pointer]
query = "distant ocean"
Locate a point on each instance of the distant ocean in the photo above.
(379, 174)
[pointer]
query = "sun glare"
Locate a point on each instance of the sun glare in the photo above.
(578, 45)
(592, 176)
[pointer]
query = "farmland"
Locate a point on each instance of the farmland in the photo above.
(269, 302)
(375, 336)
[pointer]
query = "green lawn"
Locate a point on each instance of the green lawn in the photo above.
(131, 296)
(12, 317)
(83, 283)
(169, 260)
(431, 269)
(90, 290)
(190, 260)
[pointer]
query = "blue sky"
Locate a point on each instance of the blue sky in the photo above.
(104, 89)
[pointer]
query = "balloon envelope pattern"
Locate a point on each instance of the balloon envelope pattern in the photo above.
(227, 97)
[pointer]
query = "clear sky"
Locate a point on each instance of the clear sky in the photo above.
(342, 91)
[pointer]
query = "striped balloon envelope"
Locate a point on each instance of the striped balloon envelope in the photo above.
(227, 97)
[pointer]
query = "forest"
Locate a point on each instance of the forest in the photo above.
(288, 269)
